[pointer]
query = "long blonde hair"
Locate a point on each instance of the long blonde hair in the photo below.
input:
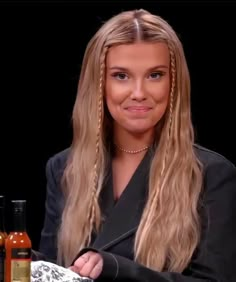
(169, 230)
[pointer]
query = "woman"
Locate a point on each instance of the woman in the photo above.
(134, 198)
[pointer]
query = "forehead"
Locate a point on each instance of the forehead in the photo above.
(127, 55)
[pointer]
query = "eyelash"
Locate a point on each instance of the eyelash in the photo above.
(159, 73)
(118, 74)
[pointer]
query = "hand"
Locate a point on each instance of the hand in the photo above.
(89, 264)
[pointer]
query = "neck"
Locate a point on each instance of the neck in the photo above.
(132, 143)
(128, 151)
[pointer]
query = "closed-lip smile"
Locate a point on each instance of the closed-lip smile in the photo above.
(138, 108)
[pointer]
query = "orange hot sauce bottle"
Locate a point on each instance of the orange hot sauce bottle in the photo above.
(3, 236)
(18, 247)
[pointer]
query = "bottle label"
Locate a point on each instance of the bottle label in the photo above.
(21, 265)
(21, 253)
(2, 257)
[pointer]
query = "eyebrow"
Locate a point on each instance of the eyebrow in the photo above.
(150, 69)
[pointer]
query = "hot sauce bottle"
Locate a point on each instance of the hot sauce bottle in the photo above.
(18, 246)
(3, 236)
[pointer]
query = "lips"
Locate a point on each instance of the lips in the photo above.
(138, 108)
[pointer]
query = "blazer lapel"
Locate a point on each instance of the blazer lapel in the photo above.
(122, 218)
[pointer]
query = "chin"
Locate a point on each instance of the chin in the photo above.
(139, 129)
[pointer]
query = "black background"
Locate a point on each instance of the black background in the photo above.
(41, 47)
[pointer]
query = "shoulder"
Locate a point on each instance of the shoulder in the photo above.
(56, 163)
(218, 171)
(211, 158)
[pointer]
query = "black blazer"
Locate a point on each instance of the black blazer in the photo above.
(215, 257)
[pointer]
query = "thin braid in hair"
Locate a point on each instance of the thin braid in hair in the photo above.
(93, 202)
(173, 72)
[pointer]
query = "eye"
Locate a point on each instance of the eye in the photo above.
(120, 75)
(156, 75)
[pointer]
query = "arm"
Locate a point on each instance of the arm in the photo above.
(215, 257)
(53, 210)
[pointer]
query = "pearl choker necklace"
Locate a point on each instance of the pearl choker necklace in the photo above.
(132, 151)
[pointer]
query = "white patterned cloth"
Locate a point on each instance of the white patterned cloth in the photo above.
(43, 271)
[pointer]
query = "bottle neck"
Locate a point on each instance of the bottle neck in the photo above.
(19, 222)
(2, 223)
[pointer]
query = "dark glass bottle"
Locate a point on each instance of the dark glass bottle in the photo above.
(18, 246)
(3, 236)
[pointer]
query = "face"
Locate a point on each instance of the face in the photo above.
(137, 85)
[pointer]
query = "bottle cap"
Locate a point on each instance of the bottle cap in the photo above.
(2, 201)
(18, 205)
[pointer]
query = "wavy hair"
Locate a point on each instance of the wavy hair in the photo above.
(169, 230)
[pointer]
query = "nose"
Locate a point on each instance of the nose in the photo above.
(138, 91)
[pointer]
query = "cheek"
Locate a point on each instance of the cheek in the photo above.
(162, 108)
(161, 99)
(113, 106)
(109, 103)
(110, 99)
(161, 93)
(162, 104)
(115, 93)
